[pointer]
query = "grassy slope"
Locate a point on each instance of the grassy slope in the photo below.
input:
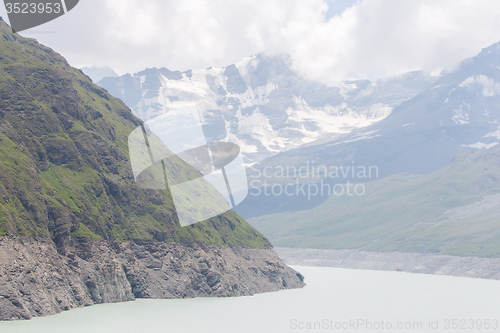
(64, 162)
(404, 213)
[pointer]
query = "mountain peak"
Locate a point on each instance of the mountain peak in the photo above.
(489, 49)
(97, 73)
(482, 63)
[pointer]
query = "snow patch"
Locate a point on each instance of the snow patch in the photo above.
(361, 136)
(437, 72)
(481, 145)
(495, 134)
(490, 88)
(461, 116)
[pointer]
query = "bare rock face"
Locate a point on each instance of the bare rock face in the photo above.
(168, 270)
(36, 280)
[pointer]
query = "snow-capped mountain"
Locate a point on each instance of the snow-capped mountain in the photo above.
(263, 105)
(460, 112)
(453, 210)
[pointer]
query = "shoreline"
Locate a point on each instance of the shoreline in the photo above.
(473, 267)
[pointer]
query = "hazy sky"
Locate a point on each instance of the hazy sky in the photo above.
(328, 40)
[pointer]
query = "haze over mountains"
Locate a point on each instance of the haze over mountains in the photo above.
(454, 211)
(262, 104)
(97, 73)
(414, 124)
(438, 160)
(459, 113)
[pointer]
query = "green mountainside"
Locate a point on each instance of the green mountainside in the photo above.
(64, 162)
(454, 211)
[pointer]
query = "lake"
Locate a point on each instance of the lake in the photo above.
(334, 300)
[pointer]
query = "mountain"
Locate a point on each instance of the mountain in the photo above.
(97, 73)
(435, 182)
(262, 104)
(459, 113)
(75, 228)
(453, 211)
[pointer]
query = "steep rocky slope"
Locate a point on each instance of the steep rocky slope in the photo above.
(36, 280)
(71, 215)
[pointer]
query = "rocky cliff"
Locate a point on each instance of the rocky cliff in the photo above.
(75, 228)
(36, 280)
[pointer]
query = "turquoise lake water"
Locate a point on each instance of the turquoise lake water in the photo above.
(334, 300)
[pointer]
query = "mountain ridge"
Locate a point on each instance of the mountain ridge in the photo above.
(453, 211)
(262, 104)
(436, 114)
(73, 144)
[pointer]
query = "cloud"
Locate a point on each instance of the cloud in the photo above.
(328, 40)
(383, 37)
